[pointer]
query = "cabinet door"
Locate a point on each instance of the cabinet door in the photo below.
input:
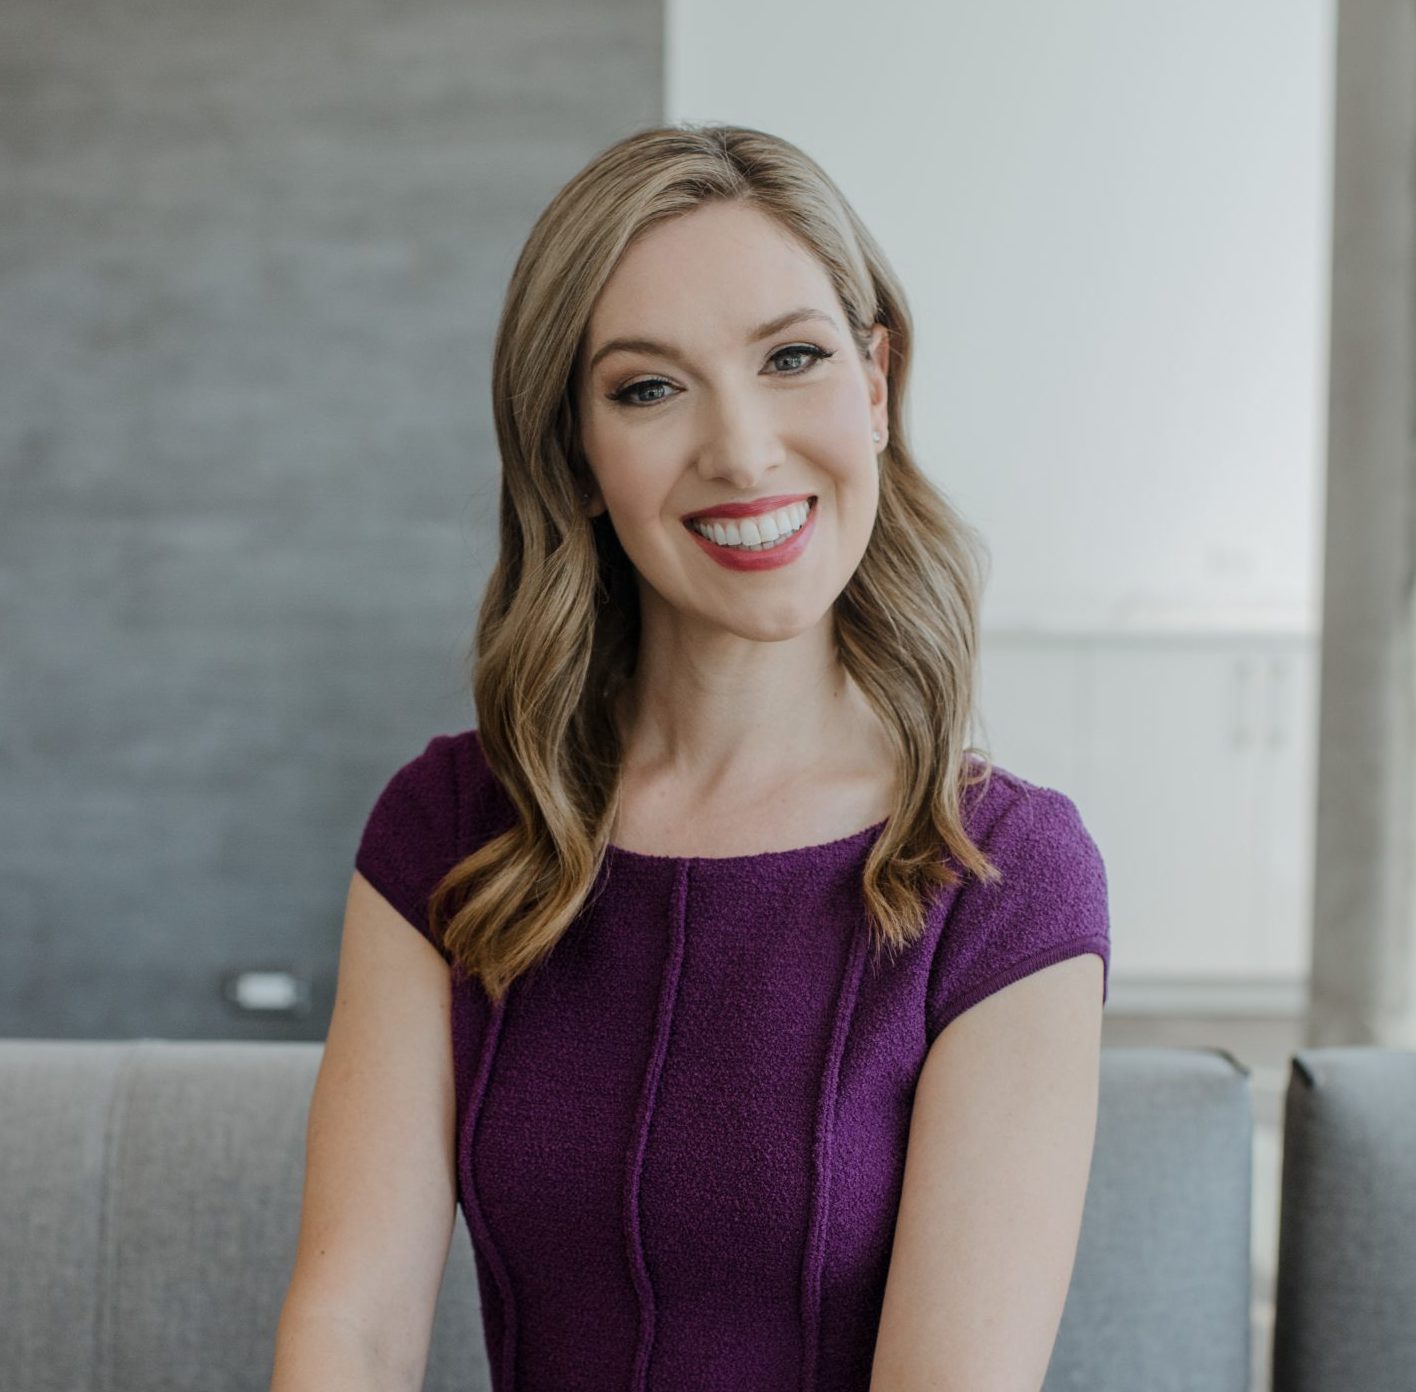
(1288, 813)
(1174, 745)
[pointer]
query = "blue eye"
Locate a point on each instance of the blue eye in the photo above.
(808, 350)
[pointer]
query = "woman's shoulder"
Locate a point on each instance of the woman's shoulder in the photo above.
(444, 774)
(1049, 902)
(1006, 806)
(434, 809)
(437, 808)
(452, 777)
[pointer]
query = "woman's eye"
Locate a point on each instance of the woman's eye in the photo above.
(810, 351)
(624, 393)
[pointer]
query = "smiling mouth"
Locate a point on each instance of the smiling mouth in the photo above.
(736, 534)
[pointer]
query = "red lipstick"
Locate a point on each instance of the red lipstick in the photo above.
(735, 558)
(752, 509)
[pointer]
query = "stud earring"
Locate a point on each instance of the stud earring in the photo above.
(875, 435)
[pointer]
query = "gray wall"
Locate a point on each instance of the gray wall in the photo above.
(251, 258)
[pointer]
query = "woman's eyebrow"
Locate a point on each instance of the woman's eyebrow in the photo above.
(667, 350)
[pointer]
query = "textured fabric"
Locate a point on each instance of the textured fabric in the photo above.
(681, 1141)
(1347, 1282)
(150, 1201)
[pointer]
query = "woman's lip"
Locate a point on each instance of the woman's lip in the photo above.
(753, 509)
(734, 558)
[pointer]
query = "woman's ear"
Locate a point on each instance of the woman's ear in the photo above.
(592, 502)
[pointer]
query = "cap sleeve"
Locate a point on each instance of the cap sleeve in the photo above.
(409, 838)
(1050, 904)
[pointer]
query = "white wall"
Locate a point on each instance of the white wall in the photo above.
(1112, 220)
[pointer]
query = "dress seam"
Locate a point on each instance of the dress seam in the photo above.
(648, 1099)
(481, 1233)
(813, 1258)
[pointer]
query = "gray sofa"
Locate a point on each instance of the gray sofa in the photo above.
(150, 1191)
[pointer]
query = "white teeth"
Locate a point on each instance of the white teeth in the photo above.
(755, 533)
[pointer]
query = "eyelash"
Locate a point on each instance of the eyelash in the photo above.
(622, 396)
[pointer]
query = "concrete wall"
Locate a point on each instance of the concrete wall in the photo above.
(251, 259)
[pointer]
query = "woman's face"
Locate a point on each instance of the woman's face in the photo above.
(726, 395)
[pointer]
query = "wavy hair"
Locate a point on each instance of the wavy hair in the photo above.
(558, 631)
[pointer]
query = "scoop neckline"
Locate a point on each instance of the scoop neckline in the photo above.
(621, 853)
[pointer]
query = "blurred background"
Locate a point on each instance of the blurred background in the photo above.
(1160, 259)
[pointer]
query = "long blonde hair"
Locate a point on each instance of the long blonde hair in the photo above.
(557, 636)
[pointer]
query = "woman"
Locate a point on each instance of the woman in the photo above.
(700, 895)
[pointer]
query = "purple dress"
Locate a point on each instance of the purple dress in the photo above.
(681, 1142)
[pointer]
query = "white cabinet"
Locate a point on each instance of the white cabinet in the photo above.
(1192, 760)
(1288, 813)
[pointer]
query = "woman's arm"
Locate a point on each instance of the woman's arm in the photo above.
(379, 1204)
(315, 1353)
(1000, 1148)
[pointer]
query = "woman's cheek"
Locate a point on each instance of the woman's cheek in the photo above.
(837, 421)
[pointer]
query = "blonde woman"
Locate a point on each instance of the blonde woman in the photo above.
(753, 1018)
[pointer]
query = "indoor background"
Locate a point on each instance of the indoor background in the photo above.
(251, 263)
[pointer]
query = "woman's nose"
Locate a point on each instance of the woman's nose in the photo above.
(741, 447)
